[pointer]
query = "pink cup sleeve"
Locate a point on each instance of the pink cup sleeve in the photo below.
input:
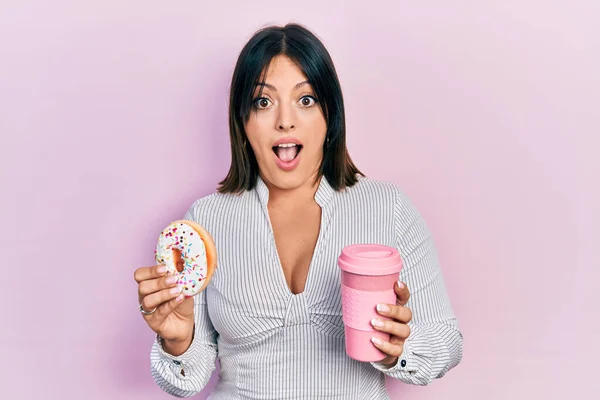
(360, 307)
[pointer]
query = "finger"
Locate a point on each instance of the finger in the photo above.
(168, 307)
(393, 350)
(145, 273)
(152, 301)
(398, 340)
(398, 313)
(402, 293)
(154, 285)
(394, 328)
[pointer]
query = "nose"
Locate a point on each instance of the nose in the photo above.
(285, 119)
(284, 127)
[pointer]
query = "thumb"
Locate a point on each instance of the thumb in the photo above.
(402, 293)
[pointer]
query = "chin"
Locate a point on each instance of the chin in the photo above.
(289, 172)
(287, 180)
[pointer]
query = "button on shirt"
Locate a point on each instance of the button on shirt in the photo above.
(273, 344)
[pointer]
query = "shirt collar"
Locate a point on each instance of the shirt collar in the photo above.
(323, 194)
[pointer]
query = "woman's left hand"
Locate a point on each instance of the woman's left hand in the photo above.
(397, 326)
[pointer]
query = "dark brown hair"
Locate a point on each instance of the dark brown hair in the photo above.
(310, 55)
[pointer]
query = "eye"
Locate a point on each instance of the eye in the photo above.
(261, 103)
(308, 101)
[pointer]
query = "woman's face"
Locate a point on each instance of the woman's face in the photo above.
(286, 127)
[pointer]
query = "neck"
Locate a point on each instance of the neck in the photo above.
(302, 194)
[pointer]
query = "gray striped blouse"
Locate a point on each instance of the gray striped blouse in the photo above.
(273, 344)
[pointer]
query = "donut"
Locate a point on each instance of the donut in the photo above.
(187, 249)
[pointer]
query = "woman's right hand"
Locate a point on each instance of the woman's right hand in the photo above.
(173, 319)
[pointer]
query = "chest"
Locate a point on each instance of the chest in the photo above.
(295, 234)
(265, 256)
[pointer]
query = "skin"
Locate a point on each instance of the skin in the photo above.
(288, 107)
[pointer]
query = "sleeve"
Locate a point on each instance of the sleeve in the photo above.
(187, 374)
(435, 343)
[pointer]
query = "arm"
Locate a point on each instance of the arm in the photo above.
(434, 345)
(187, 374)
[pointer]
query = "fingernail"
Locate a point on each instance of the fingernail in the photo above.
(162, 269)
(382, 308)
(377, 341)
(377, 323)
(400, 285)
(180, 297)
(171, 279)
(176, 290)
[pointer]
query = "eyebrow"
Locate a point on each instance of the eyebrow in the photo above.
(267, 85)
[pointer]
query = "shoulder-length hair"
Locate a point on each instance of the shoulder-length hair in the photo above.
(313, 59)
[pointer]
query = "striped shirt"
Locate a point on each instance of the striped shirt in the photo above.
(273, 344)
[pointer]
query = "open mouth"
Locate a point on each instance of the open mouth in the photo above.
(287, 152)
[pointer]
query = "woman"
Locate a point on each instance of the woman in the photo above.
(291, 201)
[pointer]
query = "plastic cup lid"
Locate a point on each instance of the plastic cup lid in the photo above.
(370, 259)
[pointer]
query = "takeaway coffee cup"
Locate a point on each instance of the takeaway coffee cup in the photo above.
(368, 274)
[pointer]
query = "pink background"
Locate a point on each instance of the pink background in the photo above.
(113, 120)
